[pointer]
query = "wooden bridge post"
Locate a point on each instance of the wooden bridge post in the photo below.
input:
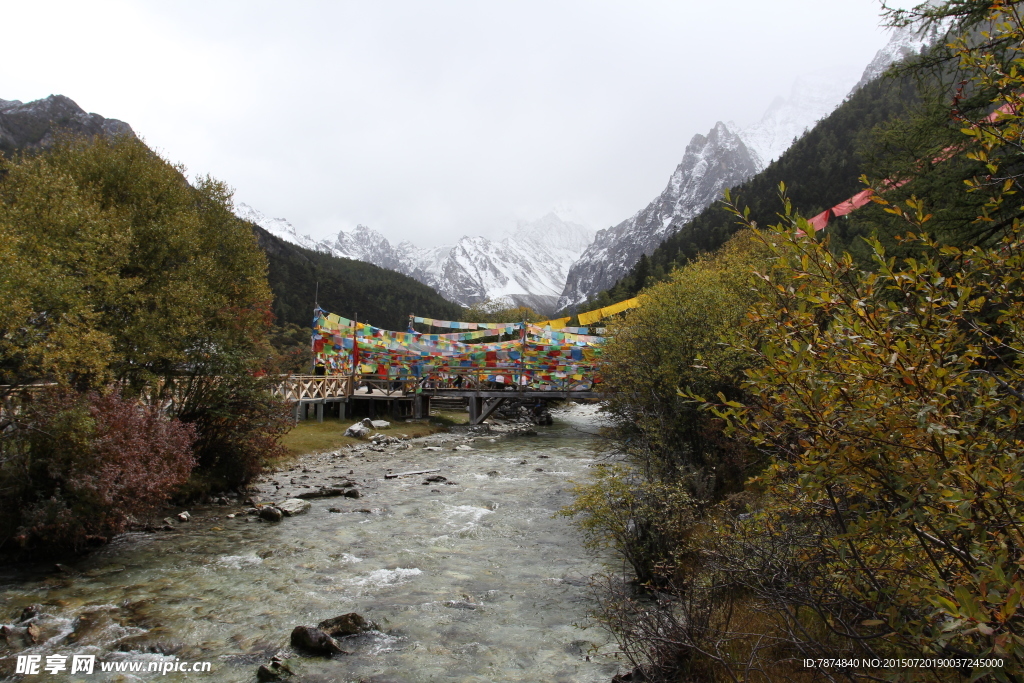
(421, 406)
(320, 411)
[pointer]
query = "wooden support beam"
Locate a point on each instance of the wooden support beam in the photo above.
(488, 407)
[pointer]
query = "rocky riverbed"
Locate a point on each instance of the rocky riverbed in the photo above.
(447, 545)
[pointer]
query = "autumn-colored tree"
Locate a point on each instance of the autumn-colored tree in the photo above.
(892, 400)
(115, 271)
(85, 467)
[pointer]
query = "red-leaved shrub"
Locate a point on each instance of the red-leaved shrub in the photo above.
(79, 467)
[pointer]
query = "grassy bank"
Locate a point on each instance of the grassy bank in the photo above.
(310, 436)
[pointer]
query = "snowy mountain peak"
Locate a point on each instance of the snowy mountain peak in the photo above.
(812, 97)
(903, 43)
(711, 163)
(527, 267)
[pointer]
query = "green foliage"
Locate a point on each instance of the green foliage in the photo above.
(886, 386)
(643, 521)
(673, 341)
(379, 296)
(238, 424)
(291, 349)
(891, 400)
(116, 268)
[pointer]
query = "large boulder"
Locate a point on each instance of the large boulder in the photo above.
(346, 625)
(269, 513)
(293, 506)
(315, 641)
(380, 424)
(358, 430)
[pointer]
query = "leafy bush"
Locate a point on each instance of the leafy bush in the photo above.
(80, 467)
(674, 341)
(237, 423)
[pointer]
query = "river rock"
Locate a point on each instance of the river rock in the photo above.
(357, 430)
(463, 447)
(89, 627)
(315, 641)
(380, 424)
(184, 516)
(435, 478)
(327, 492)
(154, 641)
(352, 493)
(275, 671)
(270, 513)
(16, 637)
(345, 625)
(30, 612)
(293, 506)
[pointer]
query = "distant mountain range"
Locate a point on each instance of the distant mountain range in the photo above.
(554, 264)
(528, 267)
(724, 158)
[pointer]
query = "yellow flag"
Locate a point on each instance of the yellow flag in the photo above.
(597, 314)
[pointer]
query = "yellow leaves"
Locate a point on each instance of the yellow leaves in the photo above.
(118, 265)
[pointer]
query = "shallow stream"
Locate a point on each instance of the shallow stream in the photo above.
(472, 581)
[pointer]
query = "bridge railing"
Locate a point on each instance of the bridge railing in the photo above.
(312, 387)
(320, 387)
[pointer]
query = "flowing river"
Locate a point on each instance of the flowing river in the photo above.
(469, 581)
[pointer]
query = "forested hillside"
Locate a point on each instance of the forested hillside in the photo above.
(349, 288)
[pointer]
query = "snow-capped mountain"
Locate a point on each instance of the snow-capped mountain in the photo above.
(279, 227)
(528, 267)
(711, 164)
(812, 98)
(555, 264)
(903, 43)
(726, 157)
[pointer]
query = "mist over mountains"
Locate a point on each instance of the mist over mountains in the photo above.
(553, 264)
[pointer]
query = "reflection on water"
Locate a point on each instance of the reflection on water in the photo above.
(468, 582)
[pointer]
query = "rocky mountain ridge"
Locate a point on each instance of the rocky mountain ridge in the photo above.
(36, 125)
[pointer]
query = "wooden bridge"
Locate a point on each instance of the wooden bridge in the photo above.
(373, 395)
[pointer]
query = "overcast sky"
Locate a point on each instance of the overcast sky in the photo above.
(429, 120)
